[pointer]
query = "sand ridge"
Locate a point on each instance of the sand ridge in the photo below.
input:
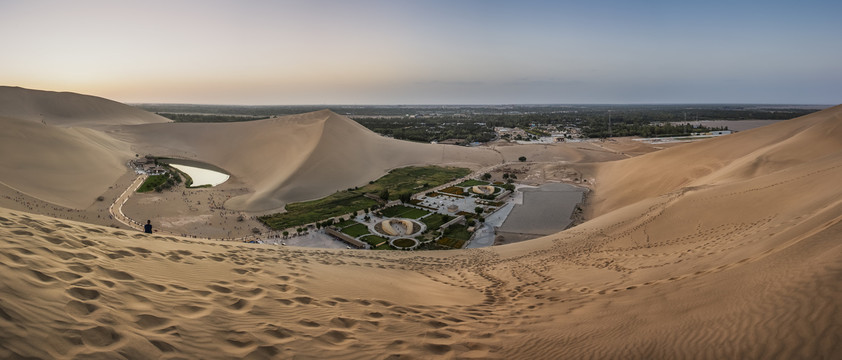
(68, 109)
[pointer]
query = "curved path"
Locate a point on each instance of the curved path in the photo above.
(116, 209)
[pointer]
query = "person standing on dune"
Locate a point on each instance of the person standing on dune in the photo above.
(148, 227)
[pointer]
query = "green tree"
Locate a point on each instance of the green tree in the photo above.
(522, 158)
(384, 194)
(405, 197)
(486, 176)
(478, 210)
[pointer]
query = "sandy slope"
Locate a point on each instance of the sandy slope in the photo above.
(69, 109)
(726, 248)
(739, 156)
(65, 166)
(52, 146)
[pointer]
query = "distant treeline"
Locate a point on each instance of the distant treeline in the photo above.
(430, 129)
(599, 129)
(469, 123)
(652, 113)
(209, 117)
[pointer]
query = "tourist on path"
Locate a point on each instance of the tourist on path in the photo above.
(148, 227)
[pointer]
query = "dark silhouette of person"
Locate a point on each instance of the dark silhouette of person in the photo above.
(148, 227)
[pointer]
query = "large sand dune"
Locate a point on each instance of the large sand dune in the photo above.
(67, 166)
(726, 248)
(80, 148)
(294, 158)
(69, 109)
(53, 147)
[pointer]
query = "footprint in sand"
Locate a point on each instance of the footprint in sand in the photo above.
(343, 323)
(80, 268)
(220, 289)
(437, 324)
(305, 300)
(264, 352)
(286, 302)
(239, 305)
(278, 332)
(83, 294)
(99, 336)
(163, 345)
(53, 240)
(154, 287)
(335, 337)
(240, 339)
(117, 274)
(148, 321)
(67, 276)
(120, 254)
(437, 349)
(309, 323)
(253, 294)
(42, 277)
(77, 308)
(191, 311)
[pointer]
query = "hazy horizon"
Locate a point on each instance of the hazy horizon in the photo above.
(430, 53)
(495, 104)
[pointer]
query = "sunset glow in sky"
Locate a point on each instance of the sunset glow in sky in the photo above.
(427, 52)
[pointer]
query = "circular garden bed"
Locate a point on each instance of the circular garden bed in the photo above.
(404, 243)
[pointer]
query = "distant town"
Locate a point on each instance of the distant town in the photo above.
(478, 124)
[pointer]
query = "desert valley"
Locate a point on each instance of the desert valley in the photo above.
(726, 247)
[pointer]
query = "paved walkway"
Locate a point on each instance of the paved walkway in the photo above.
(484, 236)
(116, 209)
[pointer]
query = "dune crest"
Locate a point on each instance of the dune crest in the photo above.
(69, 109)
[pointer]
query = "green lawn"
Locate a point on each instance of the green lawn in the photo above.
(434, 221)
(356, 230)
(374, 240)
(472, 182)
(455, 237)
(459, 232)
(451, 243)
(404, 242)
(307, 212)
(415, 213)
(152, 182)
(415, 179)
(345, 223)
(409, 179)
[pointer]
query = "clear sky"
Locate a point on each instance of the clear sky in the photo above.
(427, 52)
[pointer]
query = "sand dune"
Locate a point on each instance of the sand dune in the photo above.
(294, 158)
(79, 149)
(65, 166)
(69, 109)
(739, 156)
(726, 248)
